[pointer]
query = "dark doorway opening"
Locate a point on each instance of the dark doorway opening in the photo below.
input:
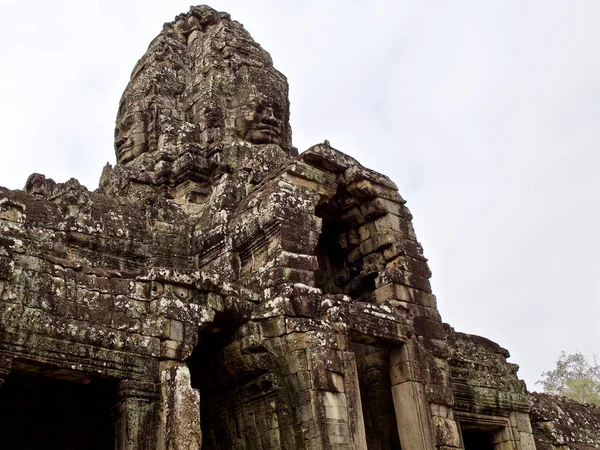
(239, 397)
(345, 267)
(333, 274)
(40, 413)
(373, 367)
(477, 439)
(211, 379)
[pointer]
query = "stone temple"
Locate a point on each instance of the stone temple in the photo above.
(221, 291)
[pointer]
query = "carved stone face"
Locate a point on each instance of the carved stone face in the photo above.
(243, 98)
(263, 124)
(131, 139)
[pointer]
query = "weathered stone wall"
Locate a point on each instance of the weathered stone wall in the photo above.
(74, 259)
(482, 379)
(83, 297)
(562, 423)
(489, 399)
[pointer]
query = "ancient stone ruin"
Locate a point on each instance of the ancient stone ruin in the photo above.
(220, 291)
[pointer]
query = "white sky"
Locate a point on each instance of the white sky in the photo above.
(486, 115)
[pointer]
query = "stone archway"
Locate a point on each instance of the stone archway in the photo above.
(243, 402)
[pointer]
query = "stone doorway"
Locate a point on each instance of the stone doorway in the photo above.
(40, 413)
(484, 432)
(373, 369)
(474, 439)
(211, 374)
(241, 406)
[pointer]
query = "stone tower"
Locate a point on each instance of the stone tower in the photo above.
(220, 291)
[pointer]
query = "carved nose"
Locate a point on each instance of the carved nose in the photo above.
(268, 118)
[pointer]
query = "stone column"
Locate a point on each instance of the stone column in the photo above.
(523, 429)
(410, 402)
(179, 411)
(322, 383)
(135, 416)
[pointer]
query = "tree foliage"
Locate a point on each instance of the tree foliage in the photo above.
(574, 377)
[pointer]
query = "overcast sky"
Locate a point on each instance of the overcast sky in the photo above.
(486, 114)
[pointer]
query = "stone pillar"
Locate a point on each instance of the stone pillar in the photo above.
(135, 416)
(524, 430)
(179, 411)
(322, 382)
(410, 403)
(355, 412)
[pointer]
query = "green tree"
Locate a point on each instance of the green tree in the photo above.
(574, 377)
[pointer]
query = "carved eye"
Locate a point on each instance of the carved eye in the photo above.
(260, 108)
(126, 124)
(120, 142)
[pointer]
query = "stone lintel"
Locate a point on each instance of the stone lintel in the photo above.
(137, 389)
